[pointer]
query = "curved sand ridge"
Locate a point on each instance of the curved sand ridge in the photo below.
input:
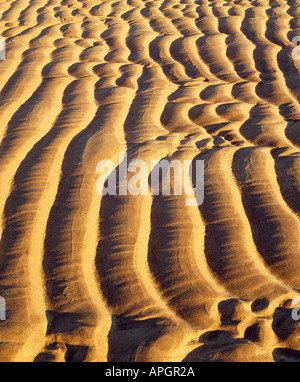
(144, 277)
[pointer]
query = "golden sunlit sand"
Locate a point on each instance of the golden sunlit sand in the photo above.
(87, 277)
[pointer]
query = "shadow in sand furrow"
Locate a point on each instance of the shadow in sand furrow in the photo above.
(275, 229)
(114, 36)
(70, 244)
(25, 81)
(15, 9)
(143, 328)
(157, 21)
(292, 132)
(184, 51)
(132, 339)
(32, 121)
(212, 50)
(159, 50)
(125, 278)
(29, 14)
(30, 202)
(286, 355)
(176, 254)
(278, 24)
(143, 122)
(229, 247)
(287, 169)
(222, 346)
(265, 127)
(173, 262)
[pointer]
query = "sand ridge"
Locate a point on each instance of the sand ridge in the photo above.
(88, 277)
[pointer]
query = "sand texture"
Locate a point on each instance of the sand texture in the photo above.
(129, 277)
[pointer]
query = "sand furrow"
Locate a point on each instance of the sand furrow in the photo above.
(275, 228)
(76, 315)
(228, 233)
(35, 184)
(287, 169)
(29, 124)
(128, 285)
(23, 83)
(176, 247)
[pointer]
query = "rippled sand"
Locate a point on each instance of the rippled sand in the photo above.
(88, 277)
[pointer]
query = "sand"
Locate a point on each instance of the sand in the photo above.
(91, 277)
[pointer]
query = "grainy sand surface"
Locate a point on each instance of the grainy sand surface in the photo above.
(88, 277)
